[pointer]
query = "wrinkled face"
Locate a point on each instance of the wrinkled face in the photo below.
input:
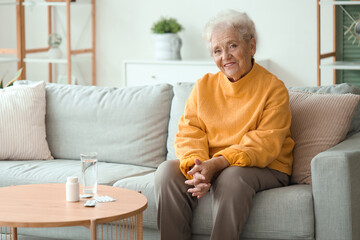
(231, 53)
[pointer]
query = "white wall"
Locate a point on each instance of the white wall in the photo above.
(286, 31)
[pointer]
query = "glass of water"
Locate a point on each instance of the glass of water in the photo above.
(89, 172)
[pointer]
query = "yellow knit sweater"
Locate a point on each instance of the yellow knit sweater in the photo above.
(247, 122)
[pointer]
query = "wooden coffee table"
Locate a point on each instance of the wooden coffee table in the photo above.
(44, 205)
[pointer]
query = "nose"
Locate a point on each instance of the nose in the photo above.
(226, 54)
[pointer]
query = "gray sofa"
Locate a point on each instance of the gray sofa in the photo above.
(133, 129)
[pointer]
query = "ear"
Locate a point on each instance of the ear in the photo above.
(253, 46)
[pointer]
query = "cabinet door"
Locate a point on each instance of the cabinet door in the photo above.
(137, 74)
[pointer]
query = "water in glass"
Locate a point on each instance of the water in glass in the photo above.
(89, 175)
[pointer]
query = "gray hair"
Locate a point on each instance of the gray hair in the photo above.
(230, 18)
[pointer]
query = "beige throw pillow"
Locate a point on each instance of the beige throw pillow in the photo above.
(22, 122)
(319, 122)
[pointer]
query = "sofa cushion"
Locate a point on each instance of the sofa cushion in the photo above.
(127, 125)
(181, 94)
(341, 89)
(279, 213)
(319, 122)
(22, 123)
(145, 184)
(56, 171)
(282, 213)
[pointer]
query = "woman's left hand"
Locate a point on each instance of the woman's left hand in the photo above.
(200, 190)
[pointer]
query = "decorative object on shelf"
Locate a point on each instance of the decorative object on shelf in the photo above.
(354, 28)
(58, 0)
(167, 41)
(11, 82)
(54, 43)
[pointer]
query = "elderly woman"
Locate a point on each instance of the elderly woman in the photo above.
(233, 140)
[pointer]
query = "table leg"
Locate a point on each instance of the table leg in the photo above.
(93, 230)
(139, 226)
(14, 233)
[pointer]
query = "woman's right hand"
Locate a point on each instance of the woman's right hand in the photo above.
(203, 172)
(207, 169)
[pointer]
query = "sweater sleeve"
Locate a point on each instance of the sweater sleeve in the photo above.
(260, 147)
(191, 139)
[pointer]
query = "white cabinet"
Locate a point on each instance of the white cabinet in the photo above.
(153, 72)
(137, 73)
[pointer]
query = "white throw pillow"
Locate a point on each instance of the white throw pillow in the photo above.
(22, 123)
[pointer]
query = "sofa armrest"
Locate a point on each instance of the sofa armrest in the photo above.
(336, 191)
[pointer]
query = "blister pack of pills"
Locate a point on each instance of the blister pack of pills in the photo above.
(101, 199)
(85, 195)
(90, 203)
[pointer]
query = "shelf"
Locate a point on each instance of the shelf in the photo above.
(339, 2)
(8, 3)
(42, 58)
(339, 65)
(43, 3)
(8, 59)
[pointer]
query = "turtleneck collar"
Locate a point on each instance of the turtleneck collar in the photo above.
(234, 88)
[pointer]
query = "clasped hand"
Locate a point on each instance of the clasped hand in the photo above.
(203, 173)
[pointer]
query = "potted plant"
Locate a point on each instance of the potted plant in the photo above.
(11, 82)
(54, 42)
(167, 41)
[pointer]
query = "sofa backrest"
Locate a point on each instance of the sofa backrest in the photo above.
(181, 94)
(127, 125)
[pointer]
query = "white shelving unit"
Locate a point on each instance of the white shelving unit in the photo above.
(335, 65)
(24, 55)
(329, 2)
(341, 65)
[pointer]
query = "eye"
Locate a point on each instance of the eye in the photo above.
(217, 51)
(233, 46)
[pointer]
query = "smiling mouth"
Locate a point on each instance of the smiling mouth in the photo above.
(229, 64)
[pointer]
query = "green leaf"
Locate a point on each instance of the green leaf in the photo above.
(17, 75)
(2, 80)
(166, 25)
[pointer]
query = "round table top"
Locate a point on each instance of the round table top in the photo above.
(44, 205)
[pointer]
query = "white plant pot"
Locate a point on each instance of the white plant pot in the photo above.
(54, 53)
(167, 46)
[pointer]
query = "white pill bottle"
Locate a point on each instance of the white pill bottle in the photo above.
(72, 189)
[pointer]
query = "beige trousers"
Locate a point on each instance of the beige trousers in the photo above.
(232, 193)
